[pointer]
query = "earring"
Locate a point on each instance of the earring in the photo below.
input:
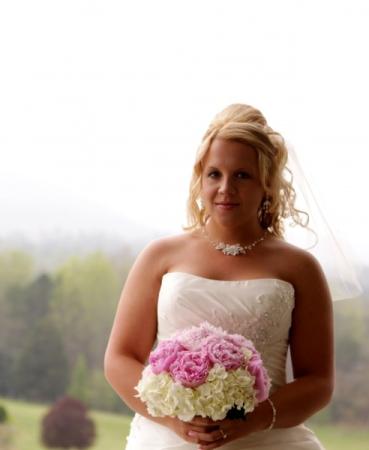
(265, 216)
(266, 204)
(202, 204)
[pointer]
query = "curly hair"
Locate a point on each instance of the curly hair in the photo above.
(246, 124)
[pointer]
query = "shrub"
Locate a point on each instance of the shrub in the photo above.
(66, 425)
(3, 414)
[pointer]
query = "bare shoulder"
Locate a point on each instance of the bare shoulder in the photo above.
(299, 265)
(158, 253)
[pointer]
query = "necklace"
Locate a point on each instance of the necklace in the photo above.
(232, 249)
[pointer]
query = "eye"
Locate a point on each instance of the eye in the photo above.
(244, 174)
(241, 174)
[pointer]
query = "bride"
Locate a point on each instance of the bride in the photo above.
(233, 268)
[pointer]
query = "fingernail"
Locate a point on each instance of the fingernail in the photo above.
(191, 433)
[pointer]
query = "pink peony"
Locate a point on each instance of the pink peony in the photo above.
(192, 338)
(190, 368)
(262, 380)
(224, 352)
(240, 341)
(164, 355)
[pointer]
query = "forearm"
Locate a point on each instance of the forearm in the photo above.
(123, 373)
(295, 402)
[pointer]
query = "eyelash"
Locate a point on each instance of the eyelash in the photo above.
(214, 171)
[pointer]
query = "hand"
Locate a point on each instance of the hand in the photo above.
(226, 430)
(209, 434)
(196, 428)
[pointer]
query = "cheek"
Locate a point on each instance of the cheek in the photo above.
(253, 199)
(207, 189)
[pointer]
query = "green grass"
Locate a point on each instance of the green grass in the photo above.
(342, 437)
(112, 429)
(25, 419)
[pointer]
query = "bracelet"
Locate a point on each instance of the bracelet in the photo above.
(274, 414)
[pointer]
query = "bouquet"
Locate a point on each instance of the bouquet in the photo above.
(203, 371)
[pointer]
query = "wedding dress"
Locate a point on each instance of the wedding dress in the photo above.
(259, 309)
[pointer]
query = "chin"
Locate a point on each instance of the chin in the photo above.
(229, 220)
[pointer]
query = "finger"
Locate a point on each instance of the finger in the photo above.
(202, 429)
(207, 437)
(212, 445)
(198, 420)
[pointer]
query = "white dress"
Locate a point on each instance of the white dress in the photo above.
(260, 310)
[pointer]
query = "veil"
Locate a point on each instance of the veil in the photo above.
(319, 238)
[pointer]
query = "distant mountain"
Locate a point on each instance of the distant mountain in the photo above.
(52, 249)
(54, 225)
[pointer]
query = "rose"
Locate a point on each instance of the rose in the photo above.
(224, 352)
(192, 338)
(164, 355)
(262, 380)
(204, 371)
(239, 341)
(190, 368)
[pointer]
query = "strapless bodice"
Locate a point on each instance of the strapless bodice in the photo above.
(259, 309)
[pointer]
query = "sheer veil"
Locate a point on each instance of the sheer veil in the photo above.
(319, 238)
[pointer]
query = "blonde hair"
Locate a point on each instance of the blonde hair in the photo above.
(246, 124)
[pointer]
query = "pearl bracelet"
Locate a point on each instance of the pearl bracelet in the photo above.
(274, 415)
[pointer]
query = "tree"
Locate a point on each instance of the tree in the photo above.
(350, 400)
(79, 385)
(6, 373)
(83, 306)
(42, 371)
(23, 305)
(3, 414)
(16, 270)
(349, 324)
(103, 397)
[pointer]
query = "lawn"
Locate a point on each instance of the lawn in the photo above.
(26, 418)
(112, 429)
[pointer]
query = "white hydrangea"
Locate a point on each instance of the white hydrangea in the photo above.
(221, 391)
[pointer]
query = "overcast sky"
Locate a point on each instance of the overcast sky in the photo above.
(103, 105)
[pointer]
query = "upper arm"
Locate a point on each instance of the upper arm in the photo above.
(135, 323)
(311, 334)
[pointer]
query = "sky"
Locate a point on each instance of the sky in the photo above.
(104, 103)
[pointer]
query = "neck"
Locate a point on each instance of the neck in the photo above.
(244, 234)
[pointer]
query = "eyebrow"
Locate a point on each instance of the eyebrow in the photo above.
(240, 168)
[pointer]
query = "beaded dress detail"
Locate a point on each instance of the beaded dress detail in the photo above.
(259, 309)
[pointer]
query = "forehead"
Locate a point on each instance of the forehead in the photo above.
(226, 153)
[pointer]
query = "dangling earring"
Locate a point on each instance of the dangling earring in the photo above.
(202, 204)
(264, 214)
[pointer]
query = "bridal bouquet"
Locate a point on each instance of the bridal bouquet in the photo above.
(203, 371)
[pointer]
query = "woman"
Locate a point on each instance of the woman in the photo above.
(233, 268)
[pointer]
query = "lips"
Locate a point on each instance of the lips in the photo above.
(227, 204)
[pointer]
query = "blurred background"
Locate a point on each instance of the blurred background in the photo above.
(103, 105)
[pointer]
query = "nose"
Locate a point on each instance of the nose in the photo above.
(226, 185)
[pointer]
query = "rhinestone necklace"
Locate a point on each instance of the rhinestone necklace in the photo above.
(232, 249)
